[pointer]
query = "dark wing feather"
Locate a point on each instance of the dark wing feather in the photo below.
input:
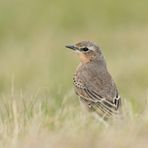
(96, 101)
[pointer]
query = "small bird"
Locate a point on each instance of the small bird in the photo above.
(93, 83)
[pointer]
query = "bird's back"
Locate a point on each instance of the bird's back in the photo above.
(97, 78)
(95, 86)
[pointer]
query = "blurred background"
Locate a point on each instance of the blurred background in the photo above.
(33, 35)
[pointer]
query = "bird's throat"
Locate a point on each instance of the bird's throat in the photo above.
(85, 58)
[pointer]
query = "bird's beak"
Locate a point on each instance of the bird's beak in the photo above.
(71, 47)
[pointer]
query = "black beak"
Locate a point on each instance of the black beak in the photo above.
(71, 47)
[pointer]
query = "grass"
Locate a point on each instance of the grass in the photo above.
(39, 122)
(38, 107)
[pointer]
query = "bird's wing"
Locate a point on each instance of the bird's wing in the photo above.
(97, 100)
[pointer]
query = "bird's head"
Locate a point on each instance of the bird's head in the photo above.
(87, 51)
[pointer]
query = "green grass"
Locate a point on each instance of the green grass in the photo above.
(38, 107)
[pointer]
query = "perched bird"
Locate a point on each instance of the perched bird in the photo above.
(93, 83)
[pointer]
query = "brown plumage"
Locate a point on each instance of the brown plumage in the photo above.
(93, 83)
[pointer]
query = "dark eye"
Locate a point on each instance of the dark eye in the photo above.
(85, 49)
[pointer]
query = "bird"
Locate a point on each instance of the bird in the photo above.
(93, 83)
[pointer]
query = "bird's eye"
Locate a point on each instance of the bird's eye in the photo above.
(85, 49)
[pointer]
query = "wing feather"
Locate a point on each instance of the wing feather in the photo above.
(97, 101)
